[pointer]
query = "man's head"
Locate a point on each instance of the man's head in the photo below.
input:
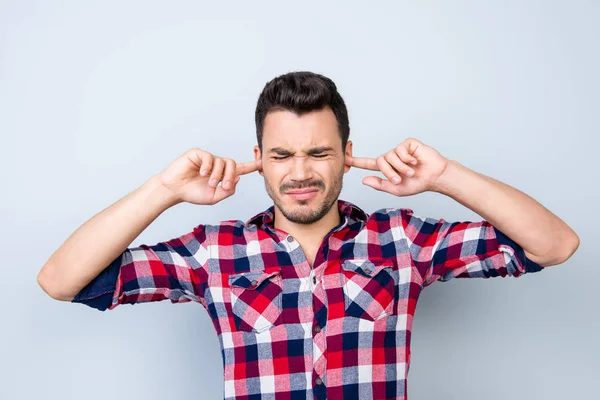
(302, 130)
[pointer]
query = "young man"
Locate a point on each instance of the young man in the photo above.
(311, 298)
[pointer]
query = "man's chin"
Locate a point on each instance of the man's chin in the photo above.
(301, 215)
(303, 207)
(303, 211)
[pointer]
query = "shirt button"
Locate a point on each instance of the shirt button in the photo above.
(318, 381)
(290, 239)
(368, 271)
(317, 329)
(314, 280)
(253, 283)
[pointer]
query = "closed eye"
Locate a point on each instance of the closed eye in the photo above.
(314, 155)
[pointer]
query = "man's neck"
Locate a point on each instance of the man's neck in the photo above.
(309, 233)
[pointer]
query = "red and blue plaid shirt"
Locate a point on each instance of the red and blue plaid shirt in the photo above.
(341, 329)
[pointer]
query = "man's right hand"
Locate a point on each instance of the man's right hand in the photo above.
(194, 177)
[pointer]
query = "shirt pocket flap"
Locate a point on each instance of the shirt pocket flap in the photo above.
(251, 280)
(367, 267)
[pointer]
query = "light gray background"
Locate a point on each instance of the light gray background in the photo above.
(96, 97)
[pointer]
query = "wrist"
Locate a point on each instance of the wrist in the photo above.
(163, 195)
(445, 183)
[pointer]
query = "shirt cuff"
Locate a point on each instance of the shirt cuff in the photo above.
(528, 264)
(99, 292)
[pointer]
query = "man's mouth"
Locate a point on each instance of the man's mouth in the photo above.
(303, 194)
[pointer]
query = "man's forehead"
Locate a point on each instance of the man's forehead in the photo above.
(300, 144)
(285, 129)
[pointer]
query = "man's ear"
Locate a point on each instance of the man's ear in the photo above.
(348, 153)
(257, 157)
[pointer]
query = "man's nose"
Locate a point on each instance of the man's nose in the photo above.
(301, 169)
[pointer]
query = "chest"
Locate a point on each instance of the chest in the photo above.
(310, 252)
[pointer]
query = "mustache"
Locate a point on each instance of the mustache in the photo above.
(304, 185)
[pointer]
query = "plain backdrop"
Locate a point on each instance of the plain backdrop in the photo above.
(97, 96)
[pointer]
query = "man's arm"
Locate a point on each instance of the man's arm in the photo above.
(412, 167)
(546, 239)
(98, 249)
(98, 242)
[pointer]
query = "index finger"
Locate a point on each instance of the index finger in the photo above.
(363, 162)
(246, 167)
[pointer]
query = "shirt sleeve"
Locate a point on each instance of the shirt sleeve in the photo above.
(174, 270)
(443, 250)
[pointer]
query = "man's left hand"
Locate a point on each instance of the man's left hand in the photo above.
(410, 168)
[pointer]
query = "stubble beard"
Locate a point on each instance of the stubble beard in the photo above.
(303, 214)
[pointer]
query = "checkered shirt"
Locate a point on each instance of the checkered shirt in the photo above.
(338, 330)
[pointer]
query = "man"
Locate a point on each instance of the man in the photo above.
(311, 298)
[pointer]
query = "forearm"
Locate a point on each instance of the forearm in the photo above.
(100, 240)
(547, 238)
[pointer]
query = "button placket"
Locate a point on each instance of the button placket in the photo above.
(319, 327)
(312, 278)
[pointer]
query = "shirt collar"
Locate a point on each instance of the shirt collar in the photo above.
(347, 210)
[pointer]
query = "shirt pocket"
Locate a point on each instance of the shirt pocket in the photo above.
(256, 299)
(369, 288)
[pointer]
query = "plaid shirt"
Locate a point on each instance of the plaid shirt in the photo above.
(341, 329)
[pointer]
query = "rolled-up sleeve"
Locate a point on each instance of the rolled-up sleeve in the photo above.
(174, 270)
(443, 250)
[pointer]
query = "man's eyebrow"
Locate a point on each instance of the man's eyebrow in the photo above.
(281, 151)
(317, 150)
(310, 152)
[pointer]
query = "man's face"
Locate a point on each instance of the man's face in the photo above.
(302, 163)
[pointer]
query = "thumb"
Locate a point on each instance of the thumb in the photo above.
(221, 194)
(373, 181)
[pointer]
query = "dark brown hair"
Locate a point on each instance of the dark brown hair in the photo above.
(301, 92)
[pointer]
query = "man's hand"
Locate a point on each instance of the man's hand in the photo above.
(410, 168)
(194, 177)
